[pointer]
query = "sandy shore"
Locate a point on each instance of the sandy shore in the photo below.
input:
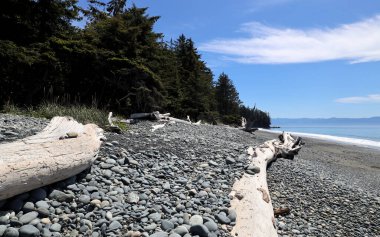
(351, 165)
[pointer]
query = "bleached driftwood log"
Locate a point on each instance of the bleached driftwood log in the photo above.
(112, 126)
(255, 216)
(64, 148)
(243, 122)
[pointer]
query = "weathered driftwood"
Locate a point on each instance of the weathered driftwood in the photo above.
(64, 148)
(112, 126)
(281, 211)
(255, 217)
(245, 126)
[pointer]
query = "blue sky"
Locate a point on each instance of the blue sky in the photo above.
(292, 58)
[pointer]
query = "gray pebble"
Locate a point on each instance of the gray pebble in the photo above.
(181, 230)
(55, 227)
(2, 229)
(196, 220)
(29, 231)
(28, 217)
(200, 230)
(115, 225)
(167, 225)
(211, 225)
(155, 216)
(11, 232)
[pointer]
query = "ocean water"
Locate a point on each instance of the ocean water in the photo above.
(346, 131)
(354, 131)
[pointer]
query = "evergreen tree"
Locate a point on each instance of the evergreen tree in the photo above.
(195, 79)
(255, 117)
(227, 99)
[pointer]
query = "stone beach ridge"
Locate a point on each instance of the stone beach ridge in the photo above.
(176, 182)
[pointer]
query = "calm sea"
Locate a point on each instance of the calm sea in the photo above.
(354, 131)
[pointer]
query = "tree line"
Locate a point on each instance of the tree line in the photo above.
(116, 62)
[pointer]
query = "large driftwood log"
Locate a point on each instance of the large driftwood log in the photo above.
(64, 148)
(255, 217)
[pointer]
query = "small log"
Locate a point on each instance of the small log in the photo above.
(149, 116)
(52, 155)
(255, 215)
(281, 211)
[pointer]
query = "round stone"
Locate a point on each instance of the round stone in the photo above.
(29, 231)
(181, 230)
(42, 204)
(11, 232)
(2, 229)
(222, 218)
(28, 207)
(200, 230)
(55, 227)
(155, 216)
(133, 197)
(84, 199)
(196, 220)
(211, 225)
(166, 225)
(28, 217)
(45, 232)
(115, 225)
(150, 227)
(232, 215)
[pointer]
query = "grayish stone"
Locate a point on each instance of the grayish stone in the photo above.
(29, 231)
(28, 217)
(196, 220)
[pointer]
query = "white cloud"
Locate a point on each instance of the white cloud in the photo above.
(375, 98)
(356, 42)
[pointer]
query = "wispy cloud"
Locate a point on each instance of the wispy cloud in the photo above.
(356, 42)
(375, 98)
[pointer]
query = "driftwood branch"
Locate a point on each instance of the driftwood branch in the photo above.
(63, 149)
(112, 126)
(255, 216)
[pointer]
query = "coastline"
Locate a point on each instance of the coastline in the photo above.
(335, 139)
(353, 165)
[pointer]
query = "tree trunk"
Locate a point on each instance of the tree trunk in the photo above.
(255, 217)
(63, 149)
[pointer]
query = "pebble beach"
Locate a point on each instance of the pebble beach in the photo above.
(176, 181)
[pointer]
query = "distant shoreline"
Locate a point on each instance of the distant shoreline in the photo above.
(367, 143)
(355, 165)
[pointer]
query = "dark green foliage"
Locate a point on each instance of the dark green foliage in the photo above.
(255, 117)
(117, 62)
(227, 99)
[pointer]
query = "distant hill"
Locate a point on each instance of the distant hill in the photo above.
(325, 121)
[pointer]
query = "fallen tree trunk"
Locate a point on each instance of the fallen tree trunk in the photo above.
(63, 149)
(255, 217)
